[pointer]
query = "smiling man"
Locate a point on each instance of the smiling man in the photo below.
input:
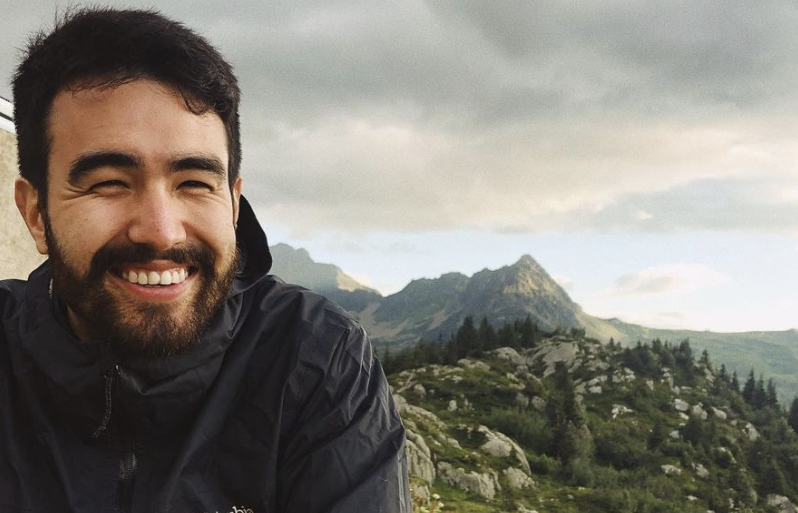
(152, 364)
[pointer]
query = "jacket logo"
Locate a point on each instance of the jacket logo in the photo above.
(238, 509)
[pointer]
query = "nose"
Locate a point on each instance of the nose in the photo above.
(158, 221)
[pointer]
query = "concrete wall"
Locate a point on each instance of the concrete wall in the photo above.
(18, 255)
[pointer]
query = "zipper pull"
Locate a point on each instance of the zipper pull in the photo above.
(110, 377)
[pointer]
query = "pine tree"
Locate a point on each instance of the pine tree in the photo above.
(772, 478)
(759, 399)
(487, 335)
(528, 333)
(735, 383)
(771, 397)
(749, 387)
(467, 339)
(792, 418)
(705, 359)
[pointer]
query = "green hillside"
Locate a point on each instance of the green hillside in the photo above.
(521, 420)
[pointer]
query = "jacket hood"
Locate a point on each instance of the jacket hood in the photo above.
(81, 376)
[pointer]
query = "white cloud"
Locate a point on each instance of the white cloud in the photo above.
(667, 279)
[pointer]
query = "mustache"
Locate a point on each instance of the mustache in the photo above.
(112, 255)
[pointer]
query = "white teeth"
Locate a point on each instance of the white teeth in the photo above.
(171, 277)
(166, 278)
(153, 278)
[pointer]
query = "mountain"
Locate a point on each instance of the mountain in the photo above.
(434, 308)
(296, 266)
(567, 424)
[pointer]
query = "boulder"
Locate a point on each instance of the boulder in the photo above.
(699, 412)
(518, 479)
(781, 503)
(483, 484)
(419, 458)
(467, 363)
(670, 470)
(407, 409)
(558, 350)
(681, 406)
(539, 403)
(751, 432)
(700, 470)
(619, 409)
(502, 446)
(717, 412)
(508, 354)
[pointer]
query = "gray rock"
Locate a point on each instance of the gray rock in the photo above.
(680, 405)
(419, 458)
(751, 432)
(782, 503)
(619, 409)
(473, 364)
(539, 403)
(700, 470)
(452, 405)
(483, 484)
(558, 350)
(717, 412)
(508, 354)
(502, 446)
(670, 470)
(419, 390)
(699, 412)
(408, 410)
(518, 479)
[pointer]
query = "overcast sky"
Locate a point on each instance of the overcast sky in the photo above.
(644, 152)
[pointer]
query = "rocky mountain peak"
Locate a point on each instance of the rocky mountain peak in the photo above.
(296, 266)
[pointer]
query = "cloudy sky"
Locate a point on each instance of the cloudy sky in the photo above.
(643, 152)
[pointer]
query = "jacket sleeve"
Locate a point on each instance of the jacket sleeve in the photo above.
(346, 449)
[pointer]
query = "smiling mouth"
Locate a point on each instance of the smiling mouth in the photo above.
(164, 278)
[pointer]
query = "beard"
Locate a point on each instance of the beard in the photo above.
(135, 328)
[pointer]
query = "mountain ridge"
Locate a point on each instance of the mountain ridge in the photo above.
(433, 308)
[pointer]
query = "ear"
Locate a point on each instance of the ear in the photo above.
(27, 198)
(236, 198)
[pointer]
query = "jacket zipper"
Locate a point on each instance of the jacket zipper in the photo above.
(127, 459)
(127, 471)
(126, 442)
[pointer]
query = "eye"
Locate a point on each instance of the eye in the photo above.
(108, 185)
(196, 185)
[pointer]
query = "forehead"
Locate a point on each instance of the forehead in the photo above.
(143, 117)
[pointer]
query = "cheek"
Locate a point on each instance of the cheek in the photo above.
(81, 234)
(216, 230)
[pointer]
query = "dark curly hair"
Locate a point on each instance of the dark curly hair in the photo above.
(100, 47)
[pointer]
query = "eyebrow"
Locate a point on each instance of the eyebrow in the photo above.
(201, 162)
(87, 163)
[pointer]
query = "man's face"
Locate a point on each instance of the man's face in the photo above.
(140, 221)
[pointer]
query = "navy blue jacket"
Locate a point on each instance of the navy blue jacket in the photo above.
(281, 407)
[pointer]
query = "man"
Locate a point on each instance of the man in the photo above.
(151, 365)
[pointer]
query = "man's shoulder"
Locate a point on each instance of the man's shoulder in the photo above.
(303, 306)
(12, 295)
